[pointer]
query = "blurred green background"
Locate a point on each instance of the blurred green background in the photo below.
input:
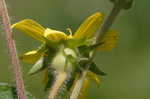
(127, 66)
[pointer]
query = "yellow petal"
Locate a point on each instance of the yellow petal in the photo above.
(93, 77)
(110, 40)
(54, 36)
(89, 26)
(31, 28)
(31, 56)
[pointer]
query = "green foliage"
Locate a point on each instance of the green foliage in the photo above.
(9, 92)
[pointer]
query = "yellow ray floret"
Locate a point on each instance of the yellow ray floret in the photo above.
(31, 28)
(109, 40)
(89, 26)
(54, 36)
(31, 56)
(93, 76)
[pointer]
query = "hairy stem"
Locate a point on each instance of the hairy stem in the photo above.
(12, 51)
(77, 89)
(60, 79)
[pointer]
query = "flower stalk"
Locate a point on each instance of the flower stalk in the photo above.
(77, 89)
(16, 69)
(61, 76)
(109, 21)
(117, 7)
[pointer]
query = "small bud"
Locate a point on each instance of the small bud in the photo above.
(126, 4)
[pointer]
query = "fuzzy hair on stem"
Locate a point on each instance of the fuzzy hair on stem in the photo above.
(16, 69)
(60, 79)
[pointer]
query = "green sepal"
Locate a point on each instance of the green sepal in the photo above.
(43, 62)
(94, 68)
(83, 61)
(42, 48)
(73, 43)
(52, 45)
(85, 50)
(49, 54)
(37, 66)
(72, 60)
(71, 81)
(51, 79)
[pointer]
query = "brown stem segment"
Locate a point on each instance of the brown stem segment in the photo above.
(12, 51)
(109, 21)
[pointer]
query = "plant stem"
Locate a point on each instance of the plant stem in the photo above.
(78, 86)
(109, 21)
(12, 51)
(59, 80)
(107, 24)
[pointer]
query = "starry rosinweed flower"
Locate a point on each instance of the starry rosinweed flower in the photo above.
(63, 57)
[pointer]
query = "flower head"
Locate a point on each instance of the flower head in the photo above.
(62, 52)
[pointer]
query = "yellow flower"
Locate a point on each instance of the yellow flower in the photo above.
(50, 52)
(46, 35)
(87, 30)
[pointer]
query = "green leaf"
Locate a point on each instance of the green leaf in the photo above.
(96, 70)
(9, 92)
